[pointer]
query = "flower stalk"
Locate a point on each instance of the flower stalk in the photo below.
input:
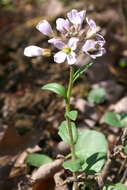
(72, 148)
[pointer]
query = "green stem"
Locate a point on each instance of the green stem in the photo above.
(72, 148)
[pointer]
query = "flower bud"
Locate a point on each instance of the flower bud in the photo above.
(33, 51)
(45, 28)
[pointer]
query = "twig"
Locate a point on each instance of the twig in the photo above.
(124, 177)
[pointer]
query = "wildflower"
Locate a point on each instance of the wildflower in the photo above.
(67, 50)
(33, 51)
(45, 28)
(93, 48)
(88, 38)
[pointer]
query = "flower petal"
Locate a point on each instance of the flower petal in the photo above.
(82, 15)
(100, 52)
(57, 43)
(92, 25)
(32, 51)
(76, 17)
(62, 24)
(89, 44)
(60, 57)
(45, 28)
(72, 43)
(71, 59)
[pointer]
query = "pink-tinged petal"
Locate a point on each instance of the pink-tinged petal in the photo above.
(82, 15)
(32, 51)
(100, 52)
(57, 43)
(92, 25)
(71, 59)
(72, 43)
(62, 24)
(60, 57)
(76, 17)
(89, 45)
(45, 28)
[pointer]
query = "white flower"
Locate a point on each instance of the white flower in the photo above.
(67, 50)
(33, 51)
(45, 28)
(76, 17)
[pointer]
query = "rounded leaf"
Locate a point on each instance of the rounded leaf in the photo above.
(37, 160)
(96, 95)
(56, 88)
(72, 115)
(63, 132)
(91, 148)
(73, 165)
(113, 119)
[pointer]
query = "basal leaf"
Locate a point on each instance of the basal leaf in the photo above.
(56, 88)
(96, 95)
(113, 119)
(117, 186)
(37, 160)
(91, 147)
(72, 115)
(63, 132)
(81, 70)
(72, 165)
(120, 186)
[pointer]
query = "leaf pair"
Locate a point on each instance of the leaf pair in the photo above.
(59, 89)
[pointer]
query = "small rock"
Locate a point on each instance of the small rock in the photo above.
(85, 107)
(120, 106)
(90, 123)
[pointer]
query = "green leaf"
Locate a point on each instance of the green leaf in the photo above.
(72, 115)
(125, 149)
(113, 119)
(81, 70)
(37, 160)
(72, 165)
(94, 162)
(109, 187)
(63, 132)
(56, 88)
(96, 95)
(91, 148)
(117, 186)
(120, 186)
(124, 121)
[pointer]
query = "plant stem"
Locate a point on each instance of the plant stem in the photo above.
(72, 148)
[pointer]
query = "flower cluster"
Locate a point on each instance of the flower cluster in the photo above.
(75, 34)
